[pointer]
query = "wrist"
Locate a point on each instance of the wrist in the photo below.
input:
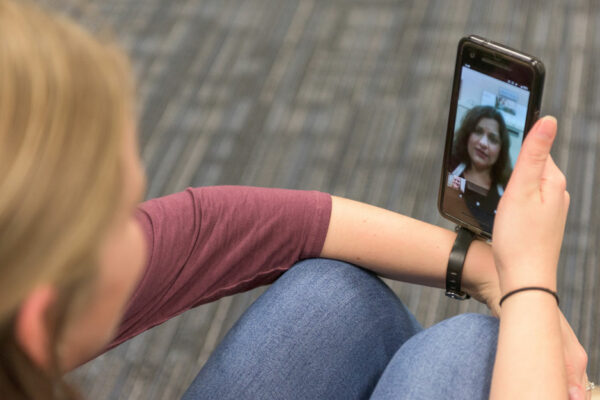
(529, 289)
(519, 272)
(479, 270)
(510, 282)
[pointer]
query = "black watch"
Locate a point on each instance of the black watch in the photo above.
(456, 261)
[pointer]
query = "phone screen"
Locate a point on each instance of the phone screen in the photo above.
(489, 117)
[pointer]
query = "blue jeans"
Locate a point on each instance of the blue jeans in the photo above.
(330, 330)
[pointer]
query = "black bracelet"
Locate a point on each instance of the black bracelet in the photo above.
(543, 289)
(456, 261)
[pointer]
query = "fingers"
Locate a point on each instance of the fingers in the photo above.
(575, 361)
(531, 163)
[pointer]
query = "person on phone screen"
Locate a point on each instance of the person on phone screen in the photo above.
(84, 267)
(480, 156)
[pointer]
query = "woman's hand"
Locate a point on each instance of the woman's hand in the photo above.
(480, 278)
(536, 343)
(575, 361)
(530, 221)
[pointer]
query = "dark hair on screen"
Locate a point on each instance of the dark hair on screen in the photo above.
(501, 169)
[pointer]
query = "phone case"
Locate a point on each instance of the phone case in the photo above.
(533, 113)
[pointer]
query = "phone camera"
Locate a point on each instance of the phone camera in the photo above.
(472, 54)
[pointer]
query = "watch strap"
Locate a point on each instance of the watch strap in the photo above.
(456, 262)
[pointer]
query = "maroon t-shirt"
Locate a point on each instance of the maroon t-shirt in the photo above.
(209, 242)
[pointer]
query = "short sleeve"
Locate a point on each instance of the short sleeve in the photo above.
(209, 242)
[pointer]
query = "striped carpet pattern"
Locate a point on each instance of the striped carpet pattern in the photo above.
(345, 96)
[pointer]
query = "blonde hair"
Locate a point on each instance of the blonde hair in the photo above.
(65, 100)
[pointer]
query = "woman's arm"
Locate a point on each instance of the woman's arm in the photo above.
(402, 248)
(529, 359)
(536, 341)
(209, 242)
(528, 233)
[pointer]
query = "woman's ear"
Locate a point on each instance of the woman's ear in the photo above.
(31, 328)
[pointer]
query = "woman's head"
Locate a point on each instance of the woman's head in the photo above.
(69, 176)
(482, 143)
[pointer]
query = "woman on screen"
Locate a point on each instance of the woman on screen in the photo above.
(480, 153)
(84, 267)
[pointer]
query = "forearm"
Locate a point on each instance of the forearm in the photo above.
(529, 360)
(399, 247)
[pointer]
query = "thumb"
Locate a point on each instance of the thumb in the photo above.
(535, 151)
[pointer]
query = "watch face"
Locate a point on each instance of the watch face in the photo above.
(457, 295)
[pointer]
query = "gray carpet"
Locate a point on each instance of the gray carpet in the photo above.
(347, 97)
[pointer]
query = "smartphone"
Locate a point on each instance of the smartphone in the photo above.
(496, 98)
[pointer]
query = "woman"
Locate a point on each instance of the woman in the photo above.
(480, 156)
(480, 149)
(84, 269)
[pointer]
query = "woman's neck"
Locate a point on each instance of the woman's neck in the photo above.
(480, 177)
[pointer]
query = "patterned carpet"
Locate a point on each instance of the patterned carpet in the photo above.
(347, 97)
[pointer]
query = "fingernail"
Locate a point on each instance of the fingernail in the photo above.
(547, 126)
(575, 393)
(537, 124)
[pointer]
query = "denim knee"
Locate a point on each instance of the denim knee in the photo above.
(330, 281)
(337, 288)
(325, 329)
(452, 359)
(470, 327)
(452, 342)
